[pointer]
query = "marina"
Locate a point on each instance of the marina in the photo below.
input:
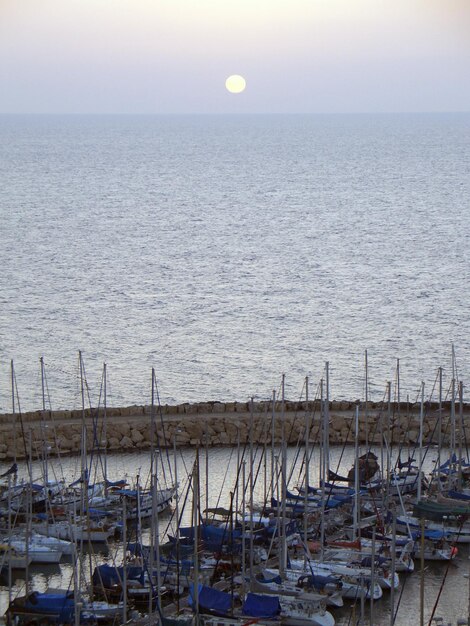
(359, 533)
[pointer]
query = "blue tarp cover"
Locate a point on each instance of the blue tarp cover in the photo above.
(458, 495)
(320, 582)
(107, 575)
(60, 604)
(264, 578)
(261, 606)
(429, 534)
(211, 599)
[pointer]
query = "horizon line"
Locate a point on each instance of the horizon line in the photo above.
(228, 113)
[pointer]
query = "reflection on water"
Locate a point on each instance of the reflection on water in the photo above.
(446, 585)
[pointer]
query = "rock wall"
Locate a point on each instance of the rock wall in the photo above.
(215, 424)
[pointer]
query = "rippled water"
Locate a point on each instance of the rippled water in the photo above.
(225, 251)
(453, 601)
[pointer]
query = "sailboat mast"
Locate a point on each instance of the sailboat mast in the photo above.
(452, 423)
(420, 450)
(322, 440)
(152, 425)
(307, 458)
(13, 409)
(439, 431)
(251, 492)
(273, 422)
(83, 468)
(105, 427)
(366, 402)
(283, 546)
(84, 473)
(461, 431)
(196, 534)
(44, 437)
(356, 474)
(398, 385)
(452, 409)
(389, 432)
(43, 389)
(327, 421)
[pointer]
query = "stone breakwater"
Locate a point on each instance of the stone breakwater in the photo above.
(220, 424)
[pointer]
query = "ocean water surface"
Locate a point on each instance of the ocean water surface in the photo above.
(225, 251)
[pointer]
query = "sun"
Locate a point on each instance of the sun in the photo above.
(235, 83)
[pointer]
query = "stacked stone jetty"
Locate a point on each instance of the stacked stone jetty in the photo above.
(223, 424)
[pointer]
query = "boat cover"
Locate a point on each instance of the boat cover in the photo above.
(107, 575)
(434, 535)
(57, 604)
(318, 581)
(211, 599)
(458, 495)
(256, 605)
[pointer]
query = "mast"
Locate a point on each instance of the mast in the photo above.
(244, 532)
(307, 459)
(439, 428)
(155, 543)
(398, 385)
(389, 431)
(327, 421)
(452, 424)
(44, 443)
(13, 409)
(283, 546)
(177, 517)
(251, 495)
(105, 427)
(366, 402)
(43, 389)
(84, 474)
(461, 432)
(323, 477)
(452, 410)
(273, 423)
(420, 451)
(195, 515)
(124, 569)
(152, 426)
(356, 474)
(206, 460)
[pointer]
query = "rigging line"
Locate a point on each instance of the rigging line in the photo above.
(402, 442)
(23, 434)
(54, 428)
(96, 448)
(70, 372)
(400, 597)
(465, 433)
(294, 462)
(445, 574)
(172, 517)
(86, 383)
(160, 413)
(224, 479)
(311, 436)
(305, 435)
(297, 448)
(300, 438)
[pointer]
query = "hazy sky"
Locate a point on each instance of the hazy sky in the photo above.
(173, 56)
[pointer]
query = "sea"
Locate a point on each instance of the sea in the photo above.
(228, 251)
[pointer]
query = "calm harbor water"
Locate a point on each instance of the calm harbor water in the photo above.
(453, 601)
(225, 251)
